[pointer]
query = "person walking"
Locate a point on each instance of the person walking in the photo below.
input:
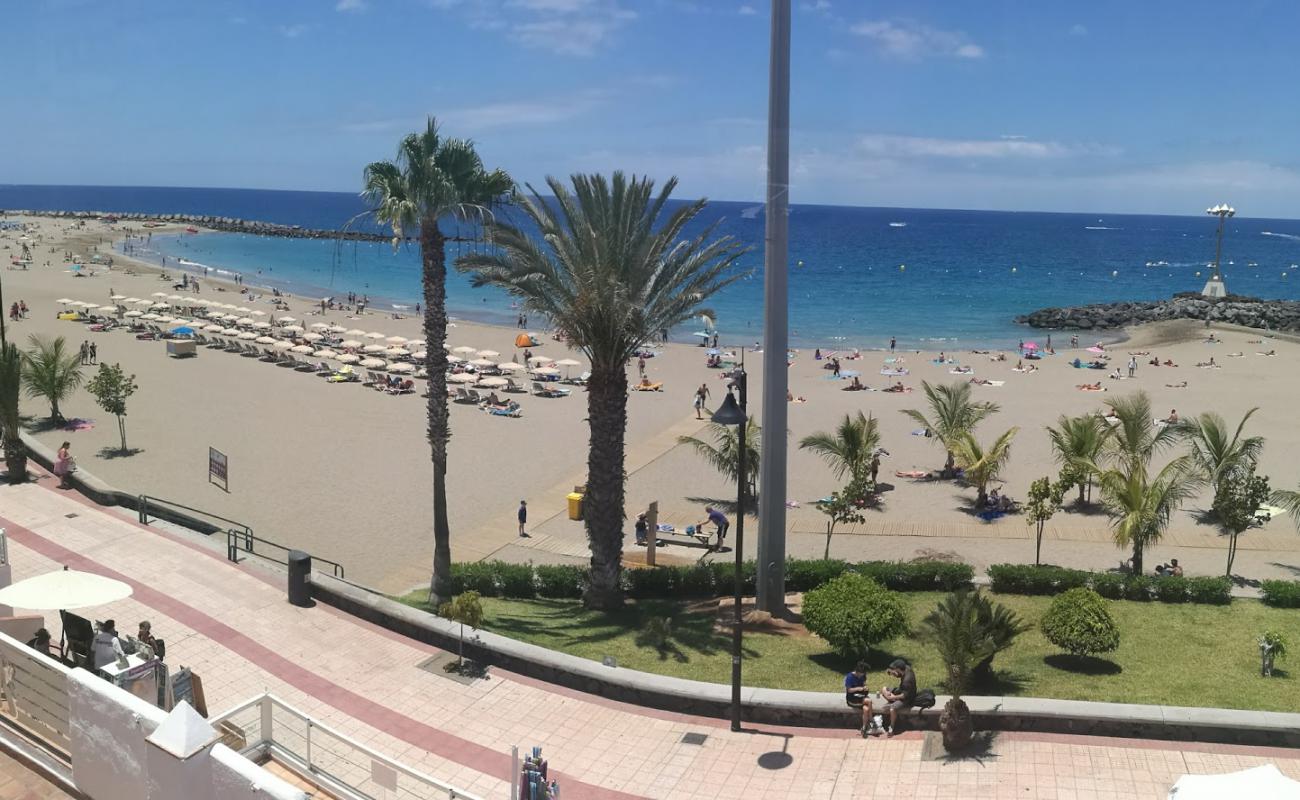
(64, 465)
(640, 366)
(523, 518)
(94, 353)
(1132, 366)
(85, 351)
(892, 342)
(701, 395)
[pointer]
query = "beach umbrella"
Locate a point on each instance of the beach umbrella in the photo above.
(159, 305)
(174, 297)
(463, 350)
(357, 332)
(494, 382)
(373, 363)
(568, 362)
(241, 309)
(144, 302)
(397, 340)
(264, 340)
(244, 321)
(1261, 781)
(64, 301)
(325, 352)
(283, 344)
(183, 330)
(257, 313)
(247, 336)
(337, 329)
(398, 351)
(402, 368)
(262, 326)
(538, 361)
(133, 314)
(420, 355)
(455, 360)
(131, 300)
(230, 331)
(320, 326)
(703, 334)
(415, 344)
(106, 308)
(488, 354)
(510, 366)
(1029, 346)
(350, 343)
(462, 377)
(302, 348)
(158, 294)
(116, 297)
(203, 303)
(292, 329)
(1096, 351)
(348, 358)
(286, 320)
(64, 589)
(151, 317)
(312, 337)
(374, 335)
(216, 315)
(546, 371)
(165, 318)
(373, 348)
(483, 362)
(211, 328)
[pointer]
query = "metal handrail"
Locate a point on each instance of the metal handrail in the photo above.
(143, 508)
(234, 539)
(267, 702)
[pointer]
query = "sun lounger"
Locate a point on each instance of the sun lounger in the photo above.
(581, 380)
(474, 397)
(462, 395)
(512, 410)
(549, 391)
(511, 386)
(648, 387)
(345, 375)
(303, 365)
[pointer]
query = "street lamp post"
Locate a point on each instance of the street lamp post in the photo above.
(1215, 287)
(733, 413)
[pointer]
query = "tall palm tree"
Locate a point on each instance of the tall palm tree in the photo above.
(434, 178)
(952, 413)
(11, 370)
(611, 271)
(850, 448)
(51, 370)
(1137, 438)
(1077, 442)
(981, 466)
(723, 453)
(1141, 506)
(1217, 453)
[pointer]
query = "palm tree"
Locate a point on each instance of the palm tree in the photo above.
(1216, 454)
(850, 448)
(952, 413)
(981, 466)
(611, 271)
(1077, 442)
(434, 178)
(1141, 506)
(11, 364)
(723, 453)
(52, 371)
(1136, 438)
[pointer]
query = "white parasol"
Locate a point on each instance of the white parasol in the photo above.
(264, 340)
(373, 363)
(292, 329)
(462, 377)
(320, 326)
(286, 320)
(403, 368)
(493, 382)
(488, 354)
(510, 366)
(374, 335)
(302, 348)
(312, 337)
(1263, 781)
(348, 358)
(464, 350)
(397, 340)
(65, 589)
(350, 343)
(283, 345)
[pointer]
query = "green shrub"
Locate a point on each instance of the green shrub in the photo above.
(1137, 587)
(560, 580)
(1171, 589)
(697, 580)
(724, 576)
(1282, 594)
(952, 576)
(1212, 591)
(803, 575)
(475, 576)
(516, 580)
(1079, 623)
(648, 582)
(1109, 585)
(1030, 579)
(853, 612)
(916, 576)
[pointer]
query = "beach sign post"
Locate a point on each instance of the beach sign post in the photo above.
(218, 471)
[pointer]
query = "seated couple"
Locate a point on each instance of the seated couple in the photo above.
(899, 698)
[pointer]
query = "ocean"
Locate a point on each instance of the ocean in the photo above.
(932, 278)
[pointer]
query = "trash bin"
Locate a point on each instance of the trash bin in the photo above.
(299, 576)
(575, 505)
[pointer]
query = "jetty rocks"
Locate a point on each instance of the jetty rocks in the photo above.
(224, 224)
(1251, 312)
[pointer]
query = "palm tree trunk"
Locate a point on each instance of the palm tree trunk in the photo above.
(1137, 556)
(1232, 552)
(602, 507)
(15, 459)
(434, 278)
(1081, 488)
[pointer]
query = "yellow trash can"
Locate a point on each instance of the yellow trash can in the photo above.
(575, 505)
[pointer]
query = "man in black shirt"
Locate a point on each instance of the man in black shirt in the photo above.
(901, 697)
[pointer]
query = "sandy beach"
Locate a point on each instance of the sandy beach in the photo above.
(343, 471)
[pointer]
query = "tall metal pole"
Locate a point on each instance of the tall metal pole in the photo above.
(776, 339)
(740, 563)
(1218, 249)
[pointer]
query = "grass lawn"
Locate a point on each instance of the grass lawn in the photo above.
(1187, 655)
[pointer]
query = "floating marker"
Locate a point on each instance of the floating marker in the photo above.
(1013, 270)
(1114, 273)
(902, 267)
(1198, 274)
(799, 264)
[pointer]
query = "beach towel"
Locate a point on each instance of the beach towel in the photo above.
(915, 474)
(961, 371)
(893, 373)
(78, 424)
(994, 383)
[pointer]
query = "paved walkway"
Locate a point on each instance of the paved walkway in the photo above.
(17, 782)
(231, 624)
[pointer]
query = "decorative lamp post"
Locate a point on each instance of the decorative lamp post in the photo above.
(733, 413)
(1215, 287)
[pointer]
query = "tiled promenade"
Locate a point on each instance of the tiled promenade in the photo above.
(231, 624)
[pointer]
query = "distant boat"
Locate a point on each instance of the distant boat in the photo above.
(898, 224)
(191, 229)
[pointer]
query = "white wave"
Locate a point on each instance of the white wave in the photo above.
(1100, 228)
(1290, 236)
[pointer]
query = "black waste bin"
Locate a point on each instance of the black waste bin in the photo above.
(299, 576)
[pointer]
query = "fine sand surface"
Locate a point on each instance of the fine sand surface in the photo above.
(343, 471)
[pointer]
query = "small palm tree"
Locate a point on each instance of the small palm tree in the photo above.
(1077, 443)
(1137, 438)
(981, 466)
(1216, 453)
(952, 413)
(850, 448)
(11, 371)
(51, 370)
(432, 179)
(723, 452)
(611, 270)
(1141, 506)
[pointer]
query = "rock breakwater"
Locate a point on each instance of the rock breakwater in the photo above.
(224, 224)
(1251, 312)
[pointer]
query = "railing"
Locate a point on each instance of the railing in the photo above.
(239, 535)
(243, 541)
(268, 727)
(35, 693)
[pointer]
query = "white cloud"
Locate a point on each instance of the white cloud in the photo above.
(1004, 147)
(566, 27)
(293, 31)
(911, 40)
(353, 6)
(475, 120)
(1078, 30)
(747, 11)
(821, 6)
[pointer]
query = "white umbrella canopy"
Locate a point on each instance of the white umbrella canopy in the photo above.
(398, 351)
(455, 360)
(357, 332)
(1262, 781)
(348, 358)
(286, 320)
(262, 326)
(420, 354)
(302, 348)
(230, 331)
(144, 302)
(158, 294)
(166, 318)
(118, 297)
(129, 300)
(133, 314)
(174, 297)
(283, 345)
(151, 317)
(546, 371)
(462, 377)
(483, 362)
(337, 329)
(244, 321)
(463, 349)
(374, 335)
(350, 343)
(210, 328)
(325, 352)
(373, 348)
(397, 340)
(65, 589)
(106, 308)
(510, 366)
(247, 336)
(159, 305)
(320, 326)
(241, 309)
(568, 362)
(403, 368)
(488, 354)
(292, 329)
(493, 382)
(312, 337)
(216, 315)
(539, 360)
(415, 344)
(264, 340)
(257, 313)
(373, 363)
(66, 301)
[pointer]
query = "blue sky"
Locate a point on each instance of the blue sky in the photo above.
(1163, 106)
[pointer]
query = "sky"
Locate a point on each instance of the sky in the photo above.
(1162, 106)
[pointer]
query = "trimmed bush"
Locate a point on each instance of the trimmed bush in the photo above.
(475, 576)
(1109, 585)
(1079, 622)
(697, 580)
(801, 576)
(560, 580)
(853, 613)
(1030, 579)
(650, 582)
(1171, 589)
(917, 576)
(516, 580)
(1137, 587)
(953, 576)
(724, 576)
(1212, 591)
(1282, 594)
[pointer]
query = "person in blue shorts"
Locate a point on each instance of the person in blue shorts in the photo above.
(855, 693)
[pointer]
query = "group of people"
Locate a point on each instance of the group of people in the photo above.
(89, 353)
(106, 648)
(890, 700)
(18, 310)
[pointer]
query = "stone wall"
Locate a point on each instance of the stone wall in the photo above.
(226, 224)
(1273, 315)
